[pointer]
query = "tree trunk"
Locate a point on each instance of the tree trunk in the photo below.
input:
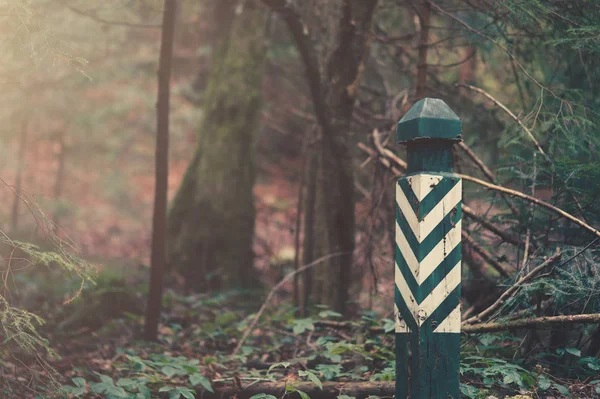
(334, 207)
(211, 224)
(159, 219)
(308, 252)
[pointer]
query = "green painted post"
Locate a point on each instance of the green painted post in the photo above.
(428, 255)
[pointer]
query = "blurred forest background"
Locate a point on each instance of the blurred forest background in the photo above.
(278, 244)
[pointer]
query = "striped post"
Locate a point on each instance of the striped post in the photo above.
(427, 271)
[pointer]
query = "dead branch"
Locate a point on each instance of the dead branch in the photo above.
(510, 292)
(486, 172)
(331, 390)
(398, 167)
(308, 53)
(591, 318)
(529, 133)
(531, 199)
(509, 112)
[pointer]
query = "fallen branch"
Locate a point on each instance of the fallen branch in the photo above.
(274, 290)
(331, 390)
(591, 318)
(513, 289)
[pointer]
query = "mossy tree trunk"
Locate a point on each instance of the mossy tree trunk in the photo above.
(211, 223)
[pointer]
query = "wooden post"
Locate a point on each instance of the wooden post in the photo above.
(428, 255)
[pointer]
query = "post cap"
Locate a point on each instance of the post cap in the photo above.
(429, 118)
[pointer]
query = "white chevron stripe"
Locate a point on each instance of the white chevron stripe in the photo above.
(433, 259)
(401, 326)
(439, 252)
(407, 253)
(407, 211)
(451, 324)
(440, 292)
(423, 184)
(405, 292)
(421, 229)
(422, 311)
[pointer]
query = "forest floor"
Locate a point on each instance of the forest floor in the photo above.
(101, 355)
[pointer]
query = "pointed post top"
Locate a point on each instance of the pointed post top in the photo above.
(429, 118)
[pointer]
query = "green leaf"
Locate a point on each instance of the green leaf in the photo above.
(345, 397)
(302, 394)
(196, 379)
(262, 396)
(78, 381)
(170, 371)
(311, 377)
(281, 364)
(302, 325)
(469, 391)
(388, 325)
(561, 389)
(544, 382)
(329, 371)
(573, 351)
(329, 313)
(126, 382)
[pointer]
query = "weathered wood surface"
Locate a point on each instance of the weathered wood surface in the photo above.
(428, 255)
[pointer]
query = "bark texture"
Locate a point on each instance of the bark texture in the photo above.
(211, 224)
(333, 83)
(159, 218)
(334, 205)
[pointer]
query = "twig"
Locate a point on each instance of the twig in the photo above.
(275, 289)
(507, 51)
(486, 255)
(511, 114)
(487, 173)
(513, 289)
(529, 133)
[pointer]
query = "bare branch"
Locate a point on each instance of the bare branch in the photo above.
(513, 289)
(531, 199)
(302, 38)
(591, 318)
